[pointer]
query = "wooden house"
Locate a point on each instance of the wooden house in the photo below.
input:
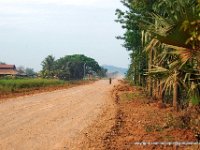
(7, 70)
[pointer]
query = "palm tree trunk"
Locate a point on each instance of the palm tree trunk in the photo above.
(150, 66)
(139, 76)
(161, 92)
(175, 93)
(135, 75)
(157, 89)
(154, 88)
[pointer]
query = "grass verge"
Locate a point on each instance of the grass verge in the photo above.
(19, 87)
(13, 85)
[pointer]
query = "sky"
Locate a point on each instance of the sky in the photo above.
(30, 30)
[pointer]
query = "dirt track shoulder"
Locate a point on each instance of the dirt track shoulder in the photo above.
(54, 120)
(138, 119)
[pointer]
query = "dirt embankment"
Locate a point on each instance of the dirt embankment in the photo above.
(140, 120)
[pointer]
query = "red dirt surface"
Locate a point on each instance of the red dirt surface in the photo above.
(140, 120)
(60, 120)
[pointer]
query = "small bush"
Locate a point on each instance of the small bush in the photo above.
(195, 100)
(182, 122)
(126, 96)
(153, 128)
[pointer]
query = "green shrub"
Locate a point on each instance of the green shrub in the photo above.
(195, 100)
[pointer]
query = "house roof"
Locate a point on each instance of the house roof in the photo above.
(8, 69)
(4, 66)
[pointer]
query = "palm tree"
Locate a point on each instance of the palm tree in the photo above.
(178, 31)
(48, 67)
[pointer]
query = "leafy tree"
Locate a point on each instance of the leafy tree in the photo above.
(29, 71)
(136, 10)
(21, 69)
(73, 67)
(102, 72)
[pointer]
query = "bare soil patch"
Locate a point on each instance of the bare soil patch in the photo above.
(140, 120)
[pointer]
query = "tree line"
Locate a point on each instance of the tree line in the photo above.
(163, 39)
(71, 67)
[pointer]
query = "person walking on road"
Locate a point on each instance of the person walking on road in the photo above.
(110, 80)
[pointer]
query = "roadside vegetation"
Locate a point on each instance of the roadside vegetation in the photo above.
(139, 120)
(62, 73)
(163, 38)
(14, 87)
(17, 84)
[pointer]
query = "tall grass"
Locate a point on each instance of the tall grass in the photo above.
(12, 85)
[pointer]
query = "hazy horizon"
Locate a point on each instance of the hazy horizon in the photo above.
(30, 31)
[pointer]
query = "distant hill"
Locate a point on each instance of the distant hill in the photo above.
(111, 69)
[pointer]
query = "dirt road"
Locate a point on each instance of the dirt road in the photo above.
(52, 120)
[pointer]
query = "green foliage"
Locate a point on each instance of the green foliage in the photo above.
(71, 67)
(130, 19)
(12, 85)
(163, 37)
(177, 29)
(29, 72)
(48, 67)
(102, 72)
(195, 100)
